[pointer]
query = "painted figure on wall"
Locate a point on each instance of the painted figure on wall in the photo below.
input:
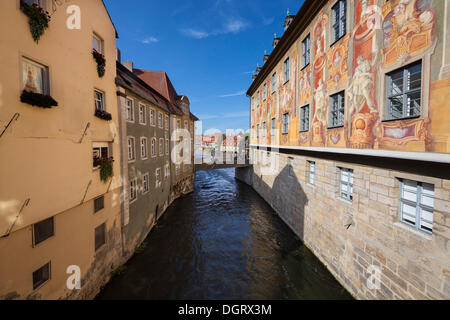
(360, 90)
(407, 28)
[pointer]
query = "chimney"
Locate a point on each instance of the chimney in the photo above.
(118, 57)
(128, 65)
(288, 20)
(275, 40)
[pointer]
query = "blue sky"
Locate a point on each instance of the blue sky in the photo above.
(208, 48)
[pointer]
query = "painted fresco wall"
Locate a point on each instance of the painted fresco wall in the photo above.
(381, 37)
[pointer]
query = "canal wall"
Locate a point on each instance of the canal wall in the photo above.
(356, 238)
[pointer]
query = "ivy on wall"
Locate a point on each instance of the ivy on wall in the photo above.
(101, 62)
(106, 168)
(38, 19)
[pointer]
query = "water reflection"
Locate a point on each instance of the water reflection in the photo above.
(223, 242)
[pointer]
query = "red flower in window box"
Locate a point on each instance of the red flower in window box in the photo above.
(101, 62)
(38, 19)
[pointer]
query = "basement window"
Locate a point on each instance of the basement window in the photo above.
(99, 204)
(417, 205)
(311, 172)
(41, 276)
(100, 236)
(346, 184)
(43, 230)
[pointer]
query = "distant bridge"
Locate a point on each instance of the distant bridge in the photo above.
(214, 166)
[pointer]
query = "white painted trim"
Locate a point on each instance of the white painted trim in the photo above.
(408, 155)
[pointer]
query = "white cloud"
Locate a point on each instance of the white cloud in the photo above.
(240, 114)
(231, 26)
(150, 40)
(207, 116)
(240, 93)
(197, 34)
(267, 21)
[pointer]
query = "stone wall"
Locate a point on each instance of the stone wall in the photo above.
(350, 237)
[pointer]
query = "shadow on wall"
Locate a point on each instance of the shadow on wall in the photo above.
(286, 196)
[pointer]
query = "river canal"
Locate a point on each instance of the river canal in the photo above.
(223, 241)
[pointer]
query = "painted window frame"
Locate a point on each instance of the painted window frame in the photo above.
(304, 118)
(152, 117)
(161, 147)
(102, 101)
(405, 93)
(287, 70)
(97, 38)
(153, 147)
(336, 115)
(142, 115)
(285, 123)
(133, 190)
(338, 21)
(274, 82)
(306, 51)
(273, 124)
(145, 183)
(129, 110)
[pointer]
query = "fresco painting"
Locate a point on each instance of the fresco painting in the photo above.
(320, 111)
(384, 36)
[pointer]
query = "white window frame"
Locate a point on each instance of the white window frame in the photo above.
(153, 147)
(346, 180)
(311, 172)
(99, 40)
(129, 110)
(144, 148)
(100, 146)
(166, 122)
(152, 117)
(337, 110)
(421, 191)
(161, 147)
(133, 190)
(160, 120)
(142, 114)
(102, 101)
(145, 183)
(131, 149)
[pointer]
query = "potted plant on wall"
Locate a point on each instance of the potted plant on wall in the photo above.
(101, 62)
(38, 19)
(102, 114)
(106, 167)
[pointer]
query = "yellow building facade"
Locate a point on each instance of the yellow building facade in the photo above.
(59, 202)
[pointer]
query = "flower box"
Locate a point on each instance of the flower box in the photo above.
(102, 114)
(106, 167)
(37, 99)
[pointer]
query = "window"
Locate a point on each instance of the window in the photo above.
(161, 146)
(160, 120)
(274, 82)
(417, 205)
(99, 100)
(178, 124)
(99, 204)
(186, 125)
(166, 123)
(144, 145)
(311, 172)
(291, 167)
(177, 169)
(40, 3)
(167, 146)
(153, 147)
(285, 123)
(99, 151)
(346, 184)
(404, 92)
(100, 236)
(264, 129)
(304, 118)
(158, 175)
(145, 183)
(273, 124)
(131, 152)
(286, 70)
(129, 110)
(133, 190)
(265, 92)
(35, 77)
(339, 22)
(258, 99)
(41, 276)
(257, 130)
(152, 117)
(142, 114)
(306, 50)
(98, 43)
(337, 109)
(166, 171)
(43, 230)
